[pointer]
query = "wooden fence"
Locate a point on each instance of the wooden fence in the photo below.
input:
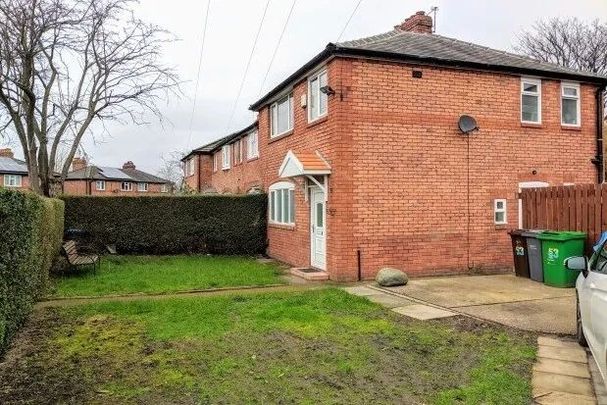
(581, 207)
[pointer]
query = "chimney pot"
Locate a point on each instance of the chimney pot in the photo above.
(7, 152)
(78, 163)
(418, 22)
(129, 165)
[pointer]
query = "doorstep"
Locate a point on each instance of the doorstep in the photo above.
(309, 274)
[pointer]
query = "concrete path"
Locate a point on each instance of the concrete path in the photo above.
(505, 299)
(561, 374)
(399, 304)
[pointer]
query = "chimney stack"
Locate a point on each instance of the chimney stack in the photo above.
(418, 22)
(128, 165)
(78, 163)
(7, 152)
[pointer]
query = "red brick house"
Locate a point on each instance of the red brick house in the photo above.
(13, 172)
(365, 166)
(110, 181)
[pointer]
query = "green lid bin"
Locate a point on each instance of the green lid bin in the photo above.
(556, 247)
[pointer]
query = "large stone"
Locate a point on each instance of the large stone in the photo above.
(388, 277)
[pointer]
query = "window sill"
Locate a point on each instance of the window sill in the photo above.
(281, 136)
(282, 226)
(501, 227)
(317, 121)
(571, 127)
(252, 159)
(225, 169)
(531, 125)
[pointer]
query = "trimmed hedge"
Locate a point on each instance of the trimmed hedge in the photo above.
(31, 234)
(173, 224)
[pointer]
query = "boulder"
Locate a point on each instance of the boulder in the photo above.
(389, 277)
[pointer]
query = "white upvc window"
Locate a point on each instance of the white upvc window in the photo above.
(252, 145)
(164, 188)
(317, 100)
(499, 212)
(225, 157)
(190, 167)
(12, 180)
(142, 187)
(570, 104)
(126, 186)
(531, 101)
(100, 185)
(281, 116)
(239, 145)
(281, 204)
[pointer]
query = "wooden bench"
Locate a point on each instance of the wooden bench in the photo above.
(75, 259)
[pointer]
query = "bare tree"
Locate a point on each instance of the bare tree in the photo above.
(172, 169)
(567, 42)
(66, 64)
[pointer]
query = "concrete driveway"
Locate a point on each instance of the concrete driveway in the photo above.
(505, 299)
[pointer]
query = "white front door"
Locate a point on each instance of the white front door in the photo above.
(318, 244)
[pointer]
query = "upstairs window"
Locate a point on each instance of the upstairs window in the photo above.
(240, 144)
(281, 203)
(215, 162)
(100, 185)
(252, 146)
(225, 157)
(142, 187)
(570, 104)
(531, 101)
(499, 212)
(281, 116)
(190, 167)
(12, 180)
(317, 100)
(126, 186)
(164, 188)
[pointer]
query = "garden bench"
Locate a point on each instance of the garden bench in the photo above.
(75, 258)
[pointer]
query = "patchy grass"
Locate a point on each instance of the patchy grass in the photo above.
(162, 274)
(321, 346)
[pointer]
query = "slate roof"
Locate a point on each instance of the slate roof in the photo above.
(12, 166)
(116, 174)
(215, 145)
(433, 49)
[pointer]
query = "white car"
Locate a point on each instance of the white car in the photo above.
(591, 304)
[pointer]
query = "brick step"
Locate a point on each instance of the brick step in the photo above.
(309, 274)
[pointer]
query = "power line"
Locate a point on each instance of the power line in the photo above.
(244, 77)
(204, 35)
(284, 28)
(349, 19)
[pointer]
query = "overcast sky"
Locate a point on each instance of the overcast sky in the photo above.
(230, 35)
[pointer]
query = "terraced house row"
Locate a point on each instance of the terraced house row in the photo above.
(366, 164)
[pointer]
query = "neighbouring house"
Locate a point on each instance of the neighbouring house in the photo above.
(86, 179)
(365, 165)
(13, 172)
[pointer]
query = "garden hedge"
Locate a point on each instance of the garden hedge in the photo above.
(171, 224)
(31, 235)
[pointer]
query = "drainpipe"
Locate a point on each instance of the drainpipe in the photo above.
(198, 173)
(598, 160)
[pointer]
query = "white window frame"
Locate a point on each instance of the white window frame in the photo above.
(164, 188)
(274, 115)
(253, 145)
(314, 112)
(142, 187)
(281, 212)
(18, 180)
(538, 83)
(128, 184)
(578, 98)
(226, 156)
(240, 143)
(215, 161)
(190, 167)
(500, 210)
(100, 185)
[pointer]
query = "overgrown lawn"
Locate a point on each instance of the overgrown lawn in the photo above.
(163, 274)
(318, 346)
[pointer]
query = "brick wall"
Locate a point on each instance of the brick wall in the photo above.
(112, 188)
(241, 177)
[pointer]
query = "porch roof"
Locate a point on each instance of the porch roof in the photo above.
(303, 164)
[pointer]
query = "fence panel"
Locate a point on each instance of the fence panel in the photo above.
(581, 207)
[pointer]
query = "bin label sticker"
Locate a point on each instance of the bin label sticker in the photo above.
(553, 254)
(520, 251)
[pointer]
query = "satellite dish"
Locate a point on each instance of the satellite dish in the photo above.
(467, 124)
